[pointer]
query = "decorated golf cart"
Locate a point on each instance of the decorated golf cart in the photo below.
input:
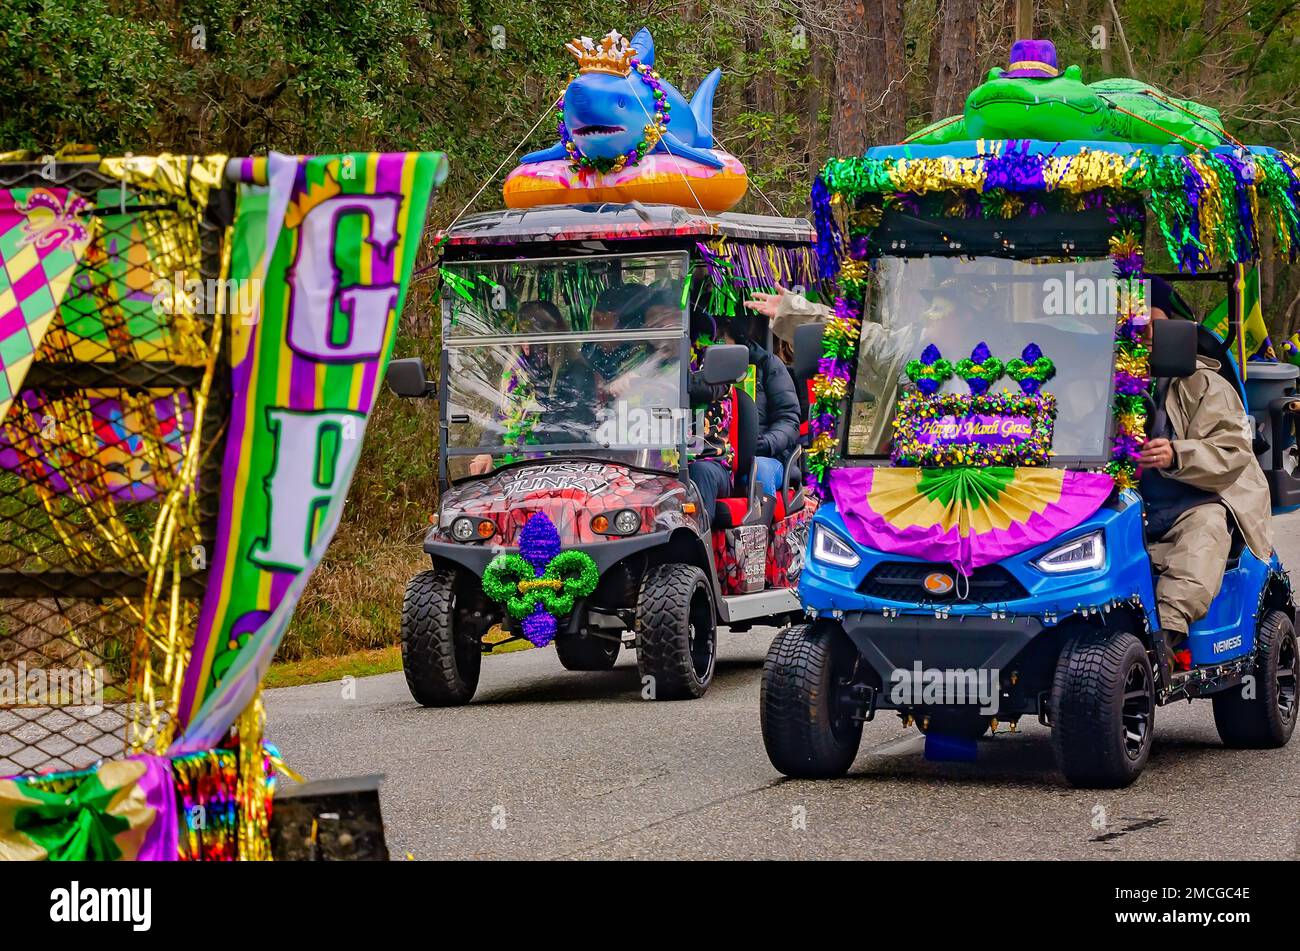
(983, 396)
(570, 334)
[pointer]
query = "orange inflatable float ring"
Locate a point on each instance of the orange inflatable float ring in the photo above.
(657, 179)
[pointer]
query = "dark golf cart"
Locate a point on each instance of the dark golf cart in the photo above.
(552, 405)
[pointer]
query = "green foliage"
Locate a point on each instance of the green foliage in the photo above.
(76, 72)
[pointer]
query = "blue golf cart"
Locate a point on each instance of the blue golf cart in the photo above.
(978, 558)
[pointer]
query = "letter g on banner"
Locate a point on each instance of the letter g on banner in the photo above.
(315, 282)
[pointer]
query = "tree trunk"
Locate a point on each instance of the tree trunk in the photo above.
(871, 95)
(812, 104)
(1024, 20)
(958, 67)
(933, 61)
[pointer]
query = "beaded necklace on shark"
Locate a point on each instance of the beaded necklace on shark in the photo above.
(652, 133)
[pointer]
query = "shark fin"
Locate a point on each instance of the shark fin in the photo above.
(676, 147)
(702, 106)
(644, 45)
(556, 151)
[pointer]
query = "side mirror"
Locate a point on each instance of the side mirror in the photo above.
(807, 350)
(406, 377)
(1173, 348)
(724, 363)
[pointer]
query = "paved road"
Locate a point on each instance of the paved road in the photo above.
(551, 764)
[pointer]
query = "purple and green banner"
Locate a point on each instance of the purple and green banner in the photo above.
(976, 428)
(329, 242)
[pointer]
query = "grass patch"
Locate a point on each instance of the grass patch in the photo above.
(315, 670)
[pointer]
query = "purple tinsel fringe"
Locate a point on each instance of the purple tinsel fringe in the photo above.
(846, 308)
(1129, 385)
(833, 368)
(539, 627)
(1126, 447)
(539, 542)
(829, 239)
(1015, 169)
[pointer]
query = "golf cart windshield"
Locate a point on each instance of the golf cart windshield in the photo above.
(1066, 307)
(571, 356)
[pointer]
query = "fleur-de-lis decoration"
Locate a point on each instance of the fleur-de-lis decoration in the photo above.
(540, 582)
(930, 372)
(1031, 369)
(52, 223)
(981, 369)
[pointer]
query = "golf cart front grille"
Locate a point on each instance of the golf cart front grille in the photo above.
(905, 581)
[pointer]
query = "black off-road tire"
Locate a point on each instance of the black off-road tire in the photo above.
(805, 735)
(1102, 709)
(676, 633)
(441, 662)
(1266, 719)
(587, 653)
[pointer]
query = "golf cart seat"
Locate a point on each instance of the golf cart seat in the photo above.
(1209, 345)
(807, 349)
(747, 505)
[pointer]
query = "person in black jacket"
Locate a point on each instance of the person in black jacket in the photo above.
(778, 407)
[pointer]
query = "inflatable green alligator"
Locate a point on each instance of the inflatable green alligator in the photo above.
(1062, 108)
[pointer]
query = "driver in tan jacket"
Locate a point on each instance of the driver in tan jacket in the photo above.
(1195, 476)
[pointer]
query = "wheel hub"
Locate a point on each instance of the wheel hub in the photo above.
(1135, 715)
(1286, 678)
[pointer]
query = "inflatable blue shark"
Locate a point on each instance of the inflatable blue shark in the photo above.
(607, 108)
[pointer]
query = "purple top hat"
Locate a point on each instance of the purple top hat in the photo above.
(1032, 59)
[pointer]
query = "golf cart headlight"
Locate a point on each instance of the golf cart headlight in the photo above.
(463, 529)
(833, 550)
(622, 522)
(626, 522)
(1079, 554)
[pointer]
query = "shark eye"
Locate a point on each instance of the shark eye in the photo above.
(622, 102)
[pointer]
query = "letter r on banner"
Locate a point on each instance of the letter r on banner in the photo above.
(310, 465)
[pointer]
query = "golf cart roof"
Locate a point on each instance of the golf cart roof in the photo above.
(627, 222)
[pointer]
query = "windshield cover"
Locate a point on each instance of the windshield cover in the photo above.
(1066, 307)
(579, 356)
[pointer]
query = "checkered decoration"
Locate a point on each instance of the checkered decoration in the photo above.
(43, 234)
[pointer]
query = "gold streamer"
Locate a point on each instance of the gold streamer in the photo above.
(1087, 171)
(254, 814)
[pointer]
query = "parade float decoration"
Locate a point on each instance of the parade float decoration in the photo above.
(191, 347)
(1056, 105)
(627, 134)
(1031, 142)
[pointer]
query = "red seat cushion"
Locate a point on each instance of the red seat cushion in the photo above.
(736, 510)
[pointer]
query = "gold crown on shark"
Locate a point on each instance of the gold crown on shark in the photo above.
(612, 55)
